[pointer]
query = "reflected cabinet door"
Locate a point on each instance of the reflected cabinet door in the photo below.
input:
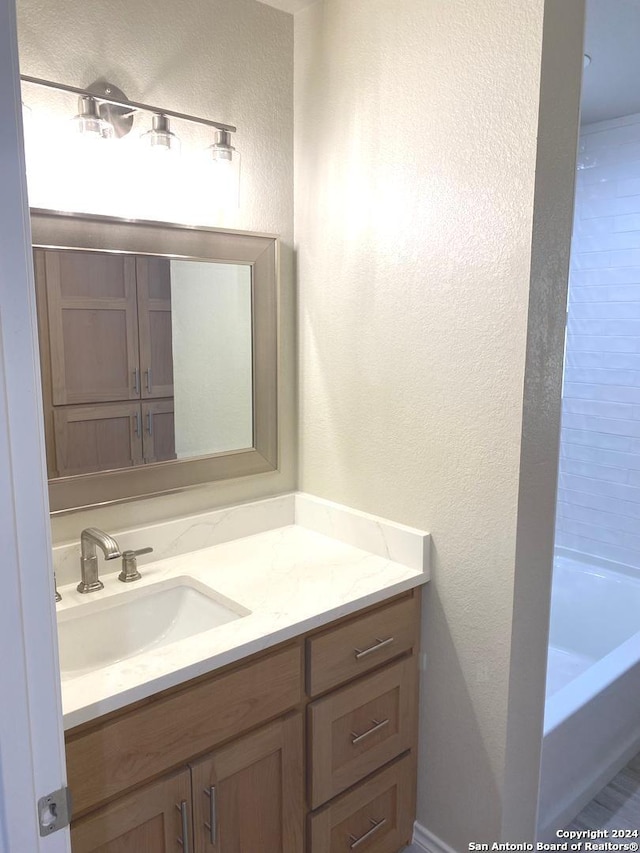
(97, 438)
(247, 797)
(153, 276)
(91, 303)
(158, 430)
(153, 819)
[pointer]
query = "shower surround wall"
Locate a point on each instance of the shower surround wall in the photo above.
(598, 512)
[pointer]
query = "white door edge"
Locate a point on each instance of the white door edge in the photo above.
(31, 734)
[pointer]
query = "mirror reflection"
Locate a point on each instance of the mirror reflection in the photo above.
(144, 359)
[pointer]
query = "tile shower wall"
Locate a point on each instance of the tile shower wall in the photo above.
(599, 487)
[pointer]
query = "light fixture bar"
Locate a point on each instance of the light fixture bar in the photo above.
(133, 106)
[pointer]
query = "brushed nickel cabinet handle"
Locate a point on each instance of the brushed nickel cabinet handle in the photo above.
(137, 429)
(376, 825)
(379, 644)
(136, 381)
(147, 375)
(377, 726)
(212, 826)
(183, 808)
(149, 423)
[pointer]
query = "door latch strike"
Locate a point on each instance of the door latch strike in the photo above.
(54, 811)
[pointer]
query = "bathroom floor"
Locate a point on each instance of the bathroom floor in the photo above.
(617, 806)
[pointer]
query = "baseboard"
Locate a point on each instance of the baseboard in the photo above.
(427, 841)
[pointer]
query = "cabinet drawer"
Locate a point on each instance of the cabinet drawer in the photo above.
(159, 736)
(375, 817)
(356, 730)
(353, 649)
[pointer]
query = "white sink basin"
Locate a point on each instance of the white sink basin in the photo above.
(103, 632)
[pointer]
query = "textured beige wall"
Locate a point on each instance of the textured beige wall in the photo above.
(231, 60)
(416, 127)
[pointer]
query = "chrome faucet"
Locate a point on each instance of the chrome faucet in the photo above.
(89, 539)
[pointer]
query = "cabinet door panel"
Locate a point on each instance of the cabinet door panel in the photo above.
(149, 820)
(248, 796)
(97, 438)
(91, 304)
(154, 323)
(159, 442)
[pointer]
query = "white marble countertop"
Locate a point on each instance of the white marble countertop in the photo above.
(291, 579)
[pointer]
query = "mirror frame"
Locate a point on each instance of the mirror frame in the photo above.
(58, 230)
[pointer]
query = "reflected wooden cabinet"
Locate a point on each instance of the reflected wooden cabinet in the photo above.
(112, 435)
(97, 438)
(153, 277)
(105, 338)
(158, 431)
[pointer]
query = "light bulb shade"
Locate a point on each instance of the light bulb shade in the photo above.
(222, 149)
(160, 137)
(224, 172)
(88, 122)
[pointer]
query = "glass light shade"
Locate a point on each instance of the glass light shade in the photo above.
(225, 171)
(160, 138)
(88, 122)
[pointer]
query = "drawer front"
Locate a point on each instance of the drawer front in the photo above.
(156, 737)
(375, 817)
(356, 730)
(353, 649)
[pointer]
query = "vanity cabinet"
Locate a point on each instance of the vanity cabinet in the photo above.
(105, 341)
(282, 753)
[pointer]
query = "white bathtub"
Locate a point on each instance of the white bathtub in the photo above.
(592, 714)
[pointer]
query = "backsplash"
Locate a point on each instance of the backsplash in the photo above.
(395, 542)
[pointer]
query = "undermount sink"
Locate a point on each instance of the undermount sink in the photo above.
(103, 632)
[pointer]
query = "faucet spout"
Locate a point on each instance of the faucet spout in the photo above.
(90, 538)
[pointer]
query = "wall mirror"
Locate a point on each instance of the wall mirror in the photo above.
(158, 351)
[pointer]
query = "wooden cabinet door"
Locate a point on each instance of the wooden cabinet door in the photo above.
(97, 438)
(159, 439)
(153, 819)
(91, 304)
(153, 276)
(247, 797)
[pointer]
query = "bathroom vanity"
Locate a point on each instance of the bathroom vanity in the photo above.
(253, 686)
(289, 727)
(312, 740)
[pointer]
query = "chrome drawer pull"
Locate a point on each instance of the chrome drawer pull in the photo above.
(379, 644)
(376, 825)
(376, 728)
(212, 826)
(183, 808)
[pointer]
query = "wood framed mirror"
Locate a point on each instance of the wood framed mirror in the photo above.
(158, 350)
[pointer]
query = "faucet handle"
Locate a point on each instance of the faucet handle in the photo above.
(130, 565)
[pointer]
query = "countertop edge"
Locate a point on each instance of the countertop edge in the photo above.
(118, 701)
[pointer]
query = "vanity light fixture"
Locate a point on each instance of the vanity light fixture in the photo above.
(222, 150)
(160, 138)
(104, 111)
(88, 121)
